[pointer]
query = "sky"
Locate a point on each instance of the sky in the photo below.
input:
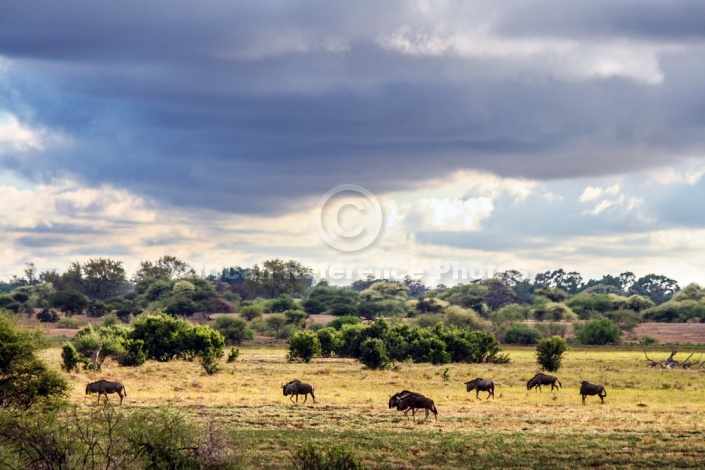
(445, 140)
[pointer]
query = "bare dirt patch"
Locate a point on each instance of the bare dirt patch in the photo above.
(673, 332)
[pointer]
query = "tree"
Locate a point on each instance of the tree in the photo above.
(498, 294)
(24, 379)
(276, 322)
(656, 287)
(569, 282)
(304, 346)
(521, 333)
(549, 353)
(104, 278)
(71, 302)
(277, 277)
(166, 267)
(465, 295)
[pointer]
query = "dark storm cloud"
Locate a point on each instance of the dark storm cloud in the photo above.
(252, 108)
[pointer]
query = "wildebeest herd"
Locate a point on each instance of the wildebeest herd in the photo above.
(405, 400)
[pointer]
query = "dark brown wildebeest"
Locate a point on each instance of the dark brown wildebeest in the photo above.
(394, 400)
(103, 387)
(415, 402)
(543, 379)
(297, 387)
(586, 388)
(479, 385)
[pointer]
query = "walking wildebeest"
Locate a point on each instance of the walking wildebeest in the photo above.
(297, 387)
(586, 388)
(543, 379)
(394, 400)
(483, 385)
(103, 387)
(416, 401)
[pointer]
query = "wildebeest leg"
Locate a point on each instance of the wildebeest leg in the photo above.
(583, 399)
(477, 394)
(121, 396)
(602, 397)
(291, 397)
(305, 397)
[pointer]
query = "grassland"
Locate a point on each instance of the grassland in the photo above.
(652, 417)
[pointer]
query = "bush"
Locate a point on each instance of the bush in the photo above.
(48, 316)
(70, 358)
(68, 322)
(233, 355)
(70, 302)
(521, 333)
(134, 354)
(304, 346)
(549, 353)
(373, 354)
(329, 339)
(344, 320)
(25, 379)
(250, 312)
(335, 458)
(597, 332)
(234, 330)
(283, 303)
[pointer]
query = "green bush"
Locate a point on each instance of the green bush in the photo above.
(522, 334)
(373, 354)
(48, 316)
(329, 339)
(549, 353)
(68, 322)
(24, 378)
(134, 354)
(597, 332)
(304, 346)
(70, 358)
(70, 302)
(283, 303)
(338, 323)
(334, 458)
(250, 312)
(234, 330)
(233, 355)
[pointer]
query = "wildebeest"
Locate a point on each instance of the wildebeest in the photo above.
(586, 388)
(297, 387)
(394, 400)
(479, 385)
(543, 379)
(416, 401)
(103, 387)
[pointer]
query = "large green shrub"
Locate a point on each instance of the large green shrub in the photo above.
(597, 332)
(234, 330)
(522, 334)
(373, 354)
(329, 339)
(24, 378)
(549, 353)
(304, 346)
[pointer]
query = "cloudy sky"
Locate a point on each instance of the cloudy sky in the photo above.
(471, 136)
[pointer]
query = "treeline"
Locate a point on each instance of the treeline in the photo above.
(379, 343)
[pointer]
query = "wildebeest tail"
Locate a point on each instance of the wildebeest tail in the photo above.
(435, 411)
(124, 390)
(559, 383)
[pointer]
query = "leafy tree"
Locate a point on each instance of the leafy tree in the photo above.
(70, 358)
(104, 278)
(48, 316)
(549, 353)
(162, 336)
(134, 355)
(373, 354)
(676, 312)
(304, 346)
(205, 343)
(626, 320)
(24, 379)
(107, 340)
(690, 292)
(498, 294)
(658, 288)
(234, 330)
(465, 295)
(166, 267)
(70, 302)
(597, 332)
(282, 303)
(250, 312)
(521, 333)
(276, 322)
(415, 287)
(571, 282)
(296, 317)
(277, 277)
(385, 290)
(464, 318)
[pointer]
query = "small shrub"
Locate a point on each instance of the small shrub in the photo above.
(522, 334)
(549, 353)
(111, 319)
(209, 362)
(648, 341)
(250, 312)
(70, 358)
(344, 320)
(68, 322)
(233, 355)
(234, 330)
(335, 458)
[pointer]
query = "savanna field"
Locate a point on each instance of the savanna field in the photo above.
(652, 417)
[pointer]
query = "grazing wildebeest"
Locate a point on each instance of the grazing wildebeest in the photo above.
(416, 401)
(103, 387)
(543, 379)
(586, 388)
(483, 385)
(297, 387)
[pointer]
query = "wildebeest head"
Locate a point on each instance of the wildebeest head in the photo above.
(291, 387)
